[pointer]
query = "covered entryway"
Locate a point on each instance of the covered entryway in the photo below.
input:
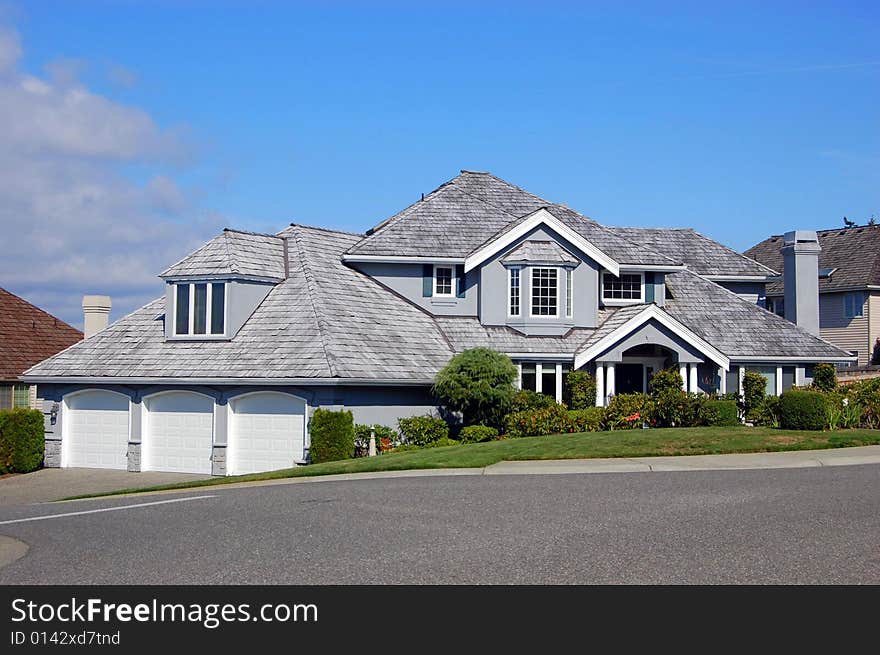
(96, 426)
(179, 432)
(267, 432)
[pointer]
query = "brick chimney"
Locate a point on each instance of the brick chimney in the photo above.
(96, 314)
(800, 269)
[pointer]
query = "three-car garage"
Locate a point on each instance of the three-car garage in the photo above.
(182, 431)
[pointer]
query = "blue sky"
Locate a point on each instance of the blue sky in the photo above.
(738, 120)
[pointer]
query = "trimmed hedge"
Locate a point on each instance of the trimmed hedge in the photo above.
(720, 412)
(477, 433)
(22, 440)
(591, 419)
(801, 409)
(422, 430)
(537, 423)
(332, 435)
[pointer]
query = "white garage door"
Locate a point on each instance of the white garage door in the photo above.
(179, 433)
(98, 430)
(267, 433)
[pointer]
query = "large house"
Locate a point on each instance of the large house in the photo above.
(27, 335)
(849, 286)
(253, 331)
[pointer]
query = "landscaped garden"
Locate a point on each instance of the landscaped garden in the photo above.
(492, 422)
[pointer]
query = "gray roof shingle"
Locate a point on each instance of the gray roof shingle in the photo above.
(540, 251)
(233, 252)
(700, 253)
(853, 251)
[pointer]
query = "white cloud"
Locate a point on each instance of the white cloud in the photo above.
(71, 220)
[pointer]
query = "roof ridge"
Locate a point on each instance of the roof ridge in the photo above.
(250, 232)
(321, 229)
(311, 291)
(233, 263)
(738, 254)
(381, 225)
(57, 320)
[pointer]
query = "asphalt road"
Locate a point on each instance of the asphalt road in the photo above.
(819, 525)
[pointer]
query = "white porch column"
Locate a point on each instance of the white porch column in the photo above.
(519, 375)
(600, 384)
(778, 380)
(722, 381)
(559, 383)
(610, 389)
(683, 371)
(694, 386)
(742, 378)
(539, 375)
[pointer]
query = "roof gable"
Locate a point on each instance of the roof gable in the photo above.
(540, 252)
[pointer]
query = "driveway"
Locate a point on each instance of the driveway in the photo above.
(51, 484)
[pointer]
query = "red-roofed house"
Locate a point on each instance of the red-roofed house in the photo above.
(27, 335)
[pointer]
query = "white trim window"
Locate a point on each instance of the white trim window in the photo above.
(200, 309)
(545, 292)
(444, 281)
(513, 291)
(569, 293)
(627, 289)
(854, 305)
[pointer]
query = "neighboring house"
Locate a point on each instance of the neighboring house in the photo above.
(220, 374)
(849, 285)
(27, 335)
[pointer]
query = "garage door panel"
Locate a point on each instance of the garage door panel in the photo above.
(267, 433)
(180, 431)
(98, 430)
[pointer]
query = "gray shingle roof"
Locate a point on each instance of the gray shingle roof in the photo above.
(461, 215)
(854, 252)
(701, 254)
(233, 252)
(736, 327)
(540, 251)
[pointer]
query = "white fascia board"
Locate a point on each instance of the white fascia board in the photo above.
(402, 259)
(547, 356)
(660, 268)
(653, 312)
(540, 217)
(43, 379)
(769, 359)
(739, 278)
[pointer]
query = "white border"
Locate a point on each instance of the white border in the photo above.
(519, 290)
(621, 302)
(532, 270)
(452, 286)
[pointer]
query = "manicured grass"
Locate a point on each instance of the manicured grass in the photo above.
(620, 443)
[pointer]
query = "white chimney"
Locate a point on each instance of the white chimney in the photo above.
(800, 257)
(96, 314)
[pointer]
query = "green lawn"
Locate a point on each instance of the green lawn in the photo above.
(621, 443)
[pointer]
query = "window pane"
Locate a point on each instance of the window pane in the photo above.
(218, 303)
(528, 377)
(513, 308)
(21, 396)
(626, 287)
(182, 320)
(443, 281)
(548, 380)
(5, 396)
(544, 292)
(201, 308)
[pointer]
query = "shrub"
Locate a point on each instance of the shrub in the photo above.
(479, 384)
(675, 408)
(629, 410)
(422, 430)
(332, 435)
(526, 401)
(581, 390)
(825, 377)
(439, 443)
(669, 379)
(535, 423)
(590, 419)
(802, 409)
(477, 433)
(362, 437)
(720, 412)
(754, 388)
(22, 440)
(768, 413)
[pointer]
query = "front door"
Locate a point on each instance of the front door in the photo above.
(630, 378)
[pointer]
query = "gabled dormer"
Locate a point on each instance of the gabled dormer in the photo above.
(211, 293)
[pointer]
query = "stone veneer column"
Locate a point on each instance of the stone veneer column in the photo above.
(219, 451)
(135, 413)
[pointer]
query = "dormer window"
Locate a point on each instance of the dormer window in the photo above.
(627, 289)
(545, 292)
(200, 309)
(443, 277)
